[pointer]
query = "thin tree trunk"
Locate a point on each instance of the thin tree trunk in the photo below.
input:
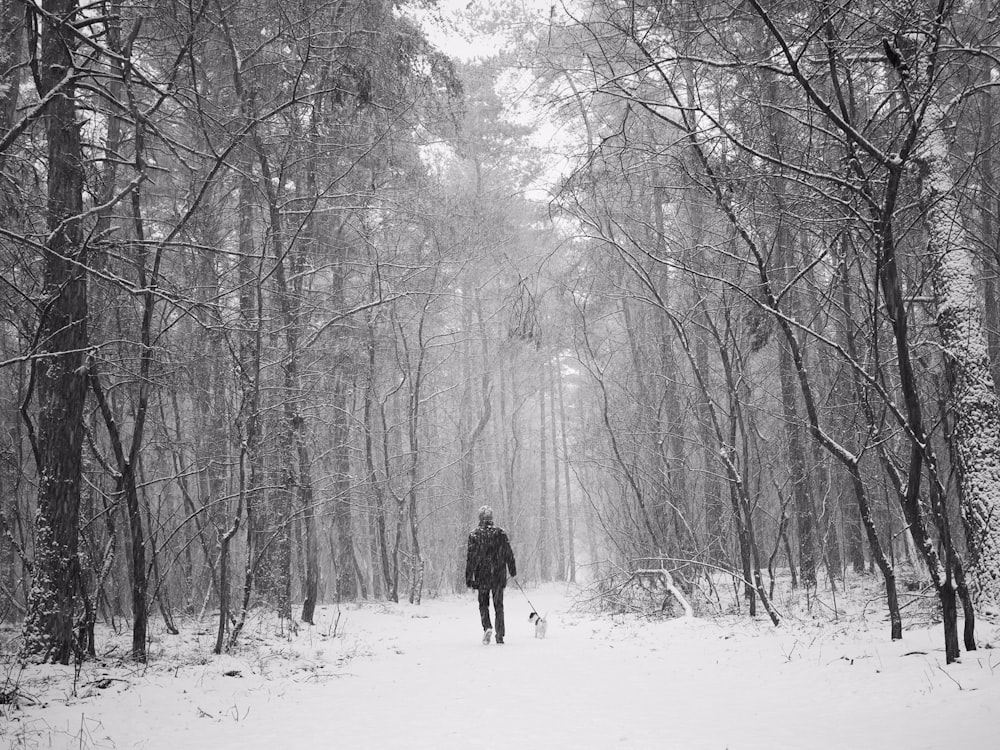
(715, 528)
(347, 582)
(570, 516)
(471, 434)
(381, 545)
(416, 581)
(506, 473)
(310, 588)
(544, 565)
(128, 464)
(298, 473)
(855, 522)
(194, 513)
(805, 513)
(557, 514)
(249, 361)
(827, 493)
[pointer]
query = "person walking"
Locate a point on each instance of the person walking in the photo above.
(487, 563)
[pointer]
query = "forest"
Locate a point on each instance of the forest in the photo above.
(692, 291)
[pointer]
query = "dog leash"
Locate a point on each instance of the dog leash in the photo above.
(518, 584)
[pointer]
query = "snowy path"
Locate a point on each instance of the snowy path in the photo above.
(421, 679)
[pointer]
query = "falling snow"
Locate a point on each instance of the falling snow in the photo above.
(405, 676)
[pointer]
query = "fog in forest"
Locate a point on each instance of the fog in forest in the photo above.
(700, 298)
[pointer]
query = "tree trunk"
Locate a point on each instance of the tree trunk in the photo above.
(380, 548)
(250, 471)
(972, 391)
(855, 525)
(506, 473)
(715, 527)
(413, 423)
(827, 489)
(795, 438)
(343, 382)
(11, 45)
(557, 514)
(347, 582)
(310, 586)
(12, 563)
(60, 369)
(544, 563)
(989, 204)
(127, 481)
(298, 473)
(298, 322)
(467, 446)
(472, 432)
(570, 516)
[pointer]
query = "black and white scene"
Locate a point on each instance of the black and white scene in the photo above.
(499, 374)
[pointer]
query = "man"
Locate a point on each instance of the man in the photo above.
(486, 566)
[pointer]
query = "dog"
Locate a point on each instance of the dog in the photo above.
(540, 623)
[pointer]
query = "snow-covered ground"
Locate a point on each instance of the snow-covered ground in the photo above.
(402, 676)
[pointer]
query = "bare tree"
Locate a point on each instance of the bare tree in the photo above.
(59, 377)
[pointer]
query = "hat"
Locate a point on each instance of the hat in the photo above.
(485, 513)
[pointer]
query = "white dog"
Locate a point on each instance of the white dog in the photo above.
(541, 625)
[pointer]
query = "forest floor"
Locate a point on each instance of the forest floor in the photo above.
(401, 676)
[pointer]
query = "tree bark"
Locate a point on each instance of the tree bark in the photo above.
(61, 378)
(972, 391)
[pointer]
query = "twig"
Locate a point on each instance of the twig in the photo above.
(945, 673)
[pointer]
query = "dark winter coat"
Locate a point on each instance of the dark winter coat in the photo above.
(489, 558)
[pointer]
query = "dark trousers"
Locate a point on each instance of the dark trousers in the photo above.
(484, 608)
